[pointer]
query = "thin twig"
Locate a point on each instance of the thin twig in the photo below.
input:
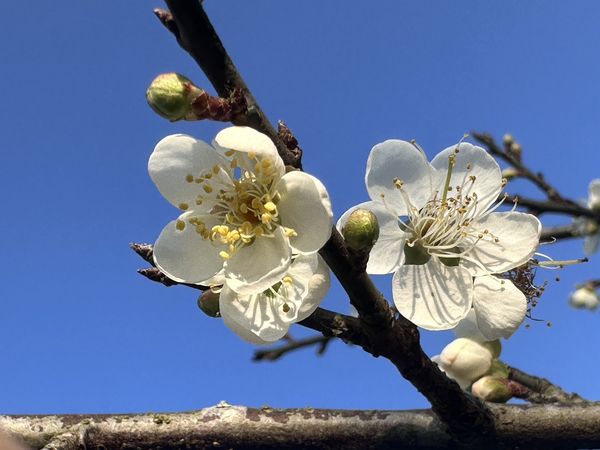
(542, 390)
(536, 178)
(274, 353)
(560, 232)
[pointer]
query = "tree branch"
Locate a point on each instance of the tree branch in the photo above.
(542, 390)
(560, 232)
(242, 428)
(274, 353)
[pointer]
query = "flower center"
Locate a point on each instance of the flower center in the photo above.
(243, 197)
(445, 227)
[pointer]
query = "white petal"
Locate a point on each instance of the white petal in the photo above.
(184, 255)
(174, 159)
(590, 244)
(243, 332)
(400, 160)
(518, 237)
(468, 328)
(248, 140)
(305, 207)
(471, 161)
(433, 296)
(317, 289)
(259, 265)
(388, 252)
(594, 194)
(499, 306)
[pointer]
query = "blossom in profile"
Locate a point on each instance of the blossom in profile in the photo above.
(441, 236)
(266, 316)
(591, 228)
(585, 297)
(465, 360)
(241, 212)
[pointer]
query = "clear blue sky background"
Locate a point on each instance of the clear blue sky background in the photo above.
(82, 332)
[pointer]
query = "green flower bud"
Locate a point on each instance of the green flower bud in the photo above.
(208, 302)
(361, 230)
(170, 95)
(492, 389)
(498, 369)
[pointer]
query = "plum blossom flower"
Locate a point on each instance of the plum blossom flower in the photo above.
(266, 316)
(242, 213)
(443, 240)
(590, 227)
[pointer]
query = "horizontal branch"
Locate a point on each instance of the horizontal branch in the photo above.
(543, 390)
(242, 428)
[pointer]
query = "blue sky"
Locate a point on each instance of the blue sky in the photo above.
(82, 332)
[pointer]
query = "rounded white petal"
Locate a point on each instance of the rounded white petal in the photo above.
(432, 295)
(260, 265)
(248, 140)
(398, 160)
(499, 305)
(318, 287)
(388, 252)
(468, 328)
(184, 255)
(305, 207)
(517, 236)
(250, 317)
(174, 159)
(471, 161)
(465, 360)
(594, 194)
(591, 243)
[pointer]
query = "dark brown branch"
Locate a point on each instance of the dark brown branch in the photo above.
(540, 207)
(195, 34)
(542, 390)
(536, 178)
(274, 353)
(560, 232)
(226, 426)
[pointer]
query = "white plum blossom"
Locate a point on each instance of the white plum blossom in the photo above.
(266, 316)
(465, 360)
(591, 228)
(242, 213)
(442, 238)
(585, 297)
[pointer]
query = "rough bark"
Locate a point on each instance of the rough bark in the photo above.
(238, 427)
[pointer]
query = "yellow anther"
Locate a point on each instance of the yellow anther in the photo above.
(252, 155)
(223, 254)
(234, 163)
(243, 208)
(189, 178)
(216, 169)
(256, 203)
(229, 153)
(472, 178)
(270, 206)
(208, 175)
(183, 206)
(180, 225)
(287, 279)
(207, 188)
(198, 201)
(290, 232)
(265, 163)
(398, 183)
(266, 218)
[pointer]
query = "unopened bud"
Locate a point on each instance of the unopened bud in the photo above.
(208, 302)
(510, 173)
(492, 389)
(585, 297)
(498, 369)
(361, 230)
(465, 360)
(516, 149)
(594, 196)
(170, 95)
(508, 140)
